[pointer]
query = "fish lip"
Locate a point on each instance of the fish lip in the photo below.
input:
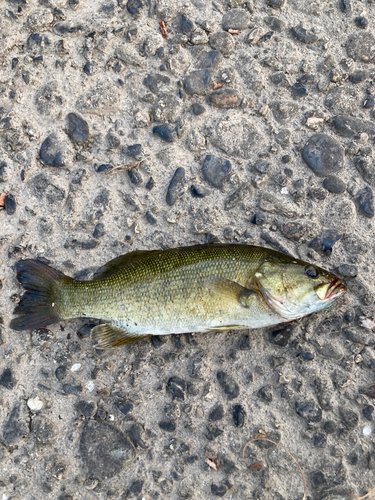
(337, 287)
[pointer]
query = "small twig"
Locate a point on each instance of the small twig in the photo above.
(367, 495)
(217, 85)
(282, 447)
(2, 200)
(163, 29)
(234, 32)
(126, 166)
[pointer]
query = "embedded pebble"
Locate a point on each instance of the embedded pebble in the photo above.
(366, 202)
(323, 154)
(176, 187)
(216, 170)
(334, 184)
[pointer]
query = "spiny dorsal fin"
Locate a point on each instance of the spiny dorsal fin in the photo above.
(109, 335)
(230, 290)
(121, 261)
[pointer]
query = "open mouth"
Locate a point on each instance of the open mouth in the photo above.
(336, 288)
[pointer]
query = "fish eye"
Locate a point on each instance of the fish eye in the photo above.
(311, 272)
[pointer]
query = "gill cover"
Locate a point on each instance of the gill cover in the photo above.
(293, 290)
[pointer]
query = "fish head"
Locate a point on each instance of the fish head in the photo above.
(295, 288)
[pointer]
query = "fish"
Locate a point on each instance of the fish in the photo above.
(200, 288)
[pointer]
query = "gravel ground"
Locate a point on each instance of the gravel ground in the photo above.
(249, 122)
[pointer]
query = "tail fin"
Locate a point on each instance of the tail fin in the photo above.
(37, 307)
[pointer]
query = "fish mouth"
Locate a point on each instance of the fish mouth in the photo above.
(335, 289)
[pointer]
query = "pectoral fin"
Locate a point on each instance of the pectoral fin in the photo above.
(230, 291)
(109, 335)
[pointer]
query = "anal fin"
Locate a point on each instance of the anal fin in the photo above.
(223, 328)
(109, 335)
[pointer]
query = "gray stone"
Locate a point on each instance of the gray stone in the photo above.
(361, 47)
(105, 450)
(44, 431)
(209, 60)
(236, 19)
(228, 385)
(215, 170)
(269, 203)
(304, 36)
(157, 83)
(177, 186)
(324, 155)
(77, 128)
(223, 42)
(334, 184)
(342, 100)
(17, 425)
(309, 410)
(349, 417)
(127, 54)
(366, 202)
(56, 152)
(198, 82)
(284, 111)
(366, 169)
(347, 126)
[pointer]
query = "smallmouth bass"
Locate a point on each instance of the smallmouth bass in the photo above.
(199, 288)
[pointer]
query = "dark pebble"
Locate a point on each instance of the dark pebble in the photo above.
(165, 132)
(284, 111)
(199, 192)
(104, 449)
(347, 126)
(324, 243)
(177, 386)
(280, 80)
(266, 37)
(218, 490)
(37, 43)
(7, 379)
(361, 22)
(307, 79)
(334, 184)
(125, 407)
(104, 167)
(15, 62)
(366, 169)
(198, 82)
(73, 389)
(302, 35)
(86, 408)
(275, 4)
(224, 99)
(236, 19)
(369, 102)
(348, 270)
(167, 426)
(17, 425)
(368, 391)
(156, 83)
(323, 154)
(259, 219)
(182, 24)
(309, 410)
(135, 151)
(215, 170)
(358, 76)
(349, 417)
(88, 68)
(222, 41)
(366, 202)
(176, 187)
(298, 90)
(209, 60)
(262, 166)
(150, 184)
(99, 230)
(5, 123)
(44, 431)
(134, 7)
(52, 152)
(216, 413)
(150, 217)
(330, 426)
(306, 356)
(367, 412)
(88, 244)
(10, 204)
(345, 6)
(77, 128)
(320, 440)
(318, 480)
(281, 336)
(265, 393)
(198, 109)
(158, 340)
(61, 372)
(274, 23)
(239, 415)
(293, 230)
(214, 433)
(135, 176)
(228, 385)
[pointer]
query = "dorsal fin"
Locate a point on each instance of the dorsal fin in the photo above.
(121, 261)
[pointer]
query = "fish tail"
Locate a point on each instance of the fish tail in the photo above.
(38, 306)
